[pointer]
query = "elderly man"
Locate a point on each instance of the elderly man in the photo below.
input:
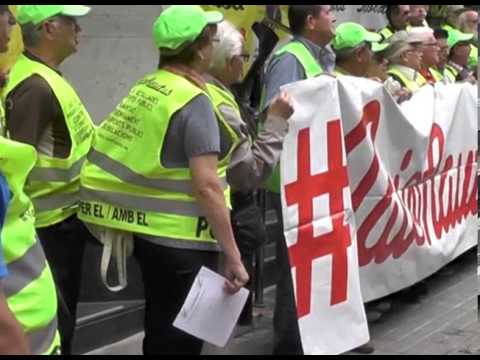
(430, 55)
(405, 57)
(453, 13)
(398, 17)
(43, 110)
(354, 47)
(468, 23)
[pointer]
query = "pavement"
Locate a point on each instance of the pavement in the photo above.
(442, 321)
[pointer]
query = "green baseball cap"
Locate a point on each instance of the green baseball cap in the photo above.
(181, 24)
(455, 37)
(379, 47)
(350, 35)
(36, 14)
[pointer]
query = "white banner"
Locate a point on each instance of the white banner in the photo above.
(411, 184)
(319, 223)
(370, 16)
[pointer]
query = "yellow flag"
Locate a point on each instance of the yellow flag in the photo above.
(242, 17)
(15, 46)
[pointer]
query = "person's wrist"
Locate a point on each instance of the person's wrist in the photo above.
(233, 257)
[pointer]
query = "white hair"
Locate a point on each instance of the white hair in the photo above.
(230, 43)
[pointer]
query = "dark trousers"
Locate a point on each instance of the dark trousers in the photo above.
(168, 275)
(287, 339)
(64, 246)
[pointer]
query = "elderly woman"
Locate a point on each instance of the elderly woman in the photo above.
(160, 160)
(405, 58)
(252, 161)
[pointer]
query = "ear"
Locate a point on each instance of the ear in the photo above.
(230, 64)
(49, 29)
(310, 22)
(359, 55)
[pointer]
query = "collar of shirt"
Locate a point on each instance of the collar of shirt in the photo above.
(37, 59)
(410, 73)
(324, 54)
(457, 67)
(210, 79)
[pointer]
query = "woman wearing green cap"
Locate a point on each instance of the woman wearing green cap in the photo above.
(158, 170)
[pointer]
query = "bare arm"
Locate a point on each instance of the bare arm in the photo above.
(209, 194)
(12, 338)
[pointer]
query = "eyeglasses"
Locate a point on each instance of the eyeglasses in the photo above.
(413, 51)
(245, 57)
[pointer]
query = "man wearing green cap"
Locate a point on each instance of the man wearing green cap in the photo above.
(397, 16)
(44, 111)
(168, 171)
(463, 19)
(418, 15)
(354, 47)
(457, 69)
(28, 306)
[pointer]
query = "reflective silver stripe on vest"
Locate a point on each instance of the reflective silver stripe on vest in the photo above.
(42, 339)
(56, 202)
(181, 208)
(180, 244)
(57, 175)
(24, 270)
(125, 174)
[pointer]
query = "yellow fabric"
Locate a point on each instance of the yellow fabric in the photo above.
(15, 47)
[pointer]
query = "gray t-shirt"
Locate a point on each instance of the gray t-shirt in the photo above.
(286, 69)
(193, 131)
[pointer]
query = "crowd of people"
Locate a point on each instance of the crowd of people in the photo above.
(176, 167)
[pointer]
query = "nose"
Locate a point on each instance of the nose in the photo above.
(78, 29)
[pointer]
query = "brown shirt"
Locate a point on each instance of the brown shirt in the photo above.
(34, 116)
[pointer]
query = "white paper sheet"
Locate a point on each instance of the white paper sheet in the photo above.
(209, 313)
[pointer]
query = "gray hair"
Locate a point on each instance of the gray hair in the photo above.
(462, 20)
(230, 43)
(396, 50)
(398, 46)
(31, 34)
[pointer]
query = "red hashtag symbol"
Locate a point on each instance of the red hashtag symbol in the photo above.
(308, 247)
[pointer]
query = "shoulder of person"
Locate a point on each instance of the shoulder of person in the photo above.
(34, 85)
